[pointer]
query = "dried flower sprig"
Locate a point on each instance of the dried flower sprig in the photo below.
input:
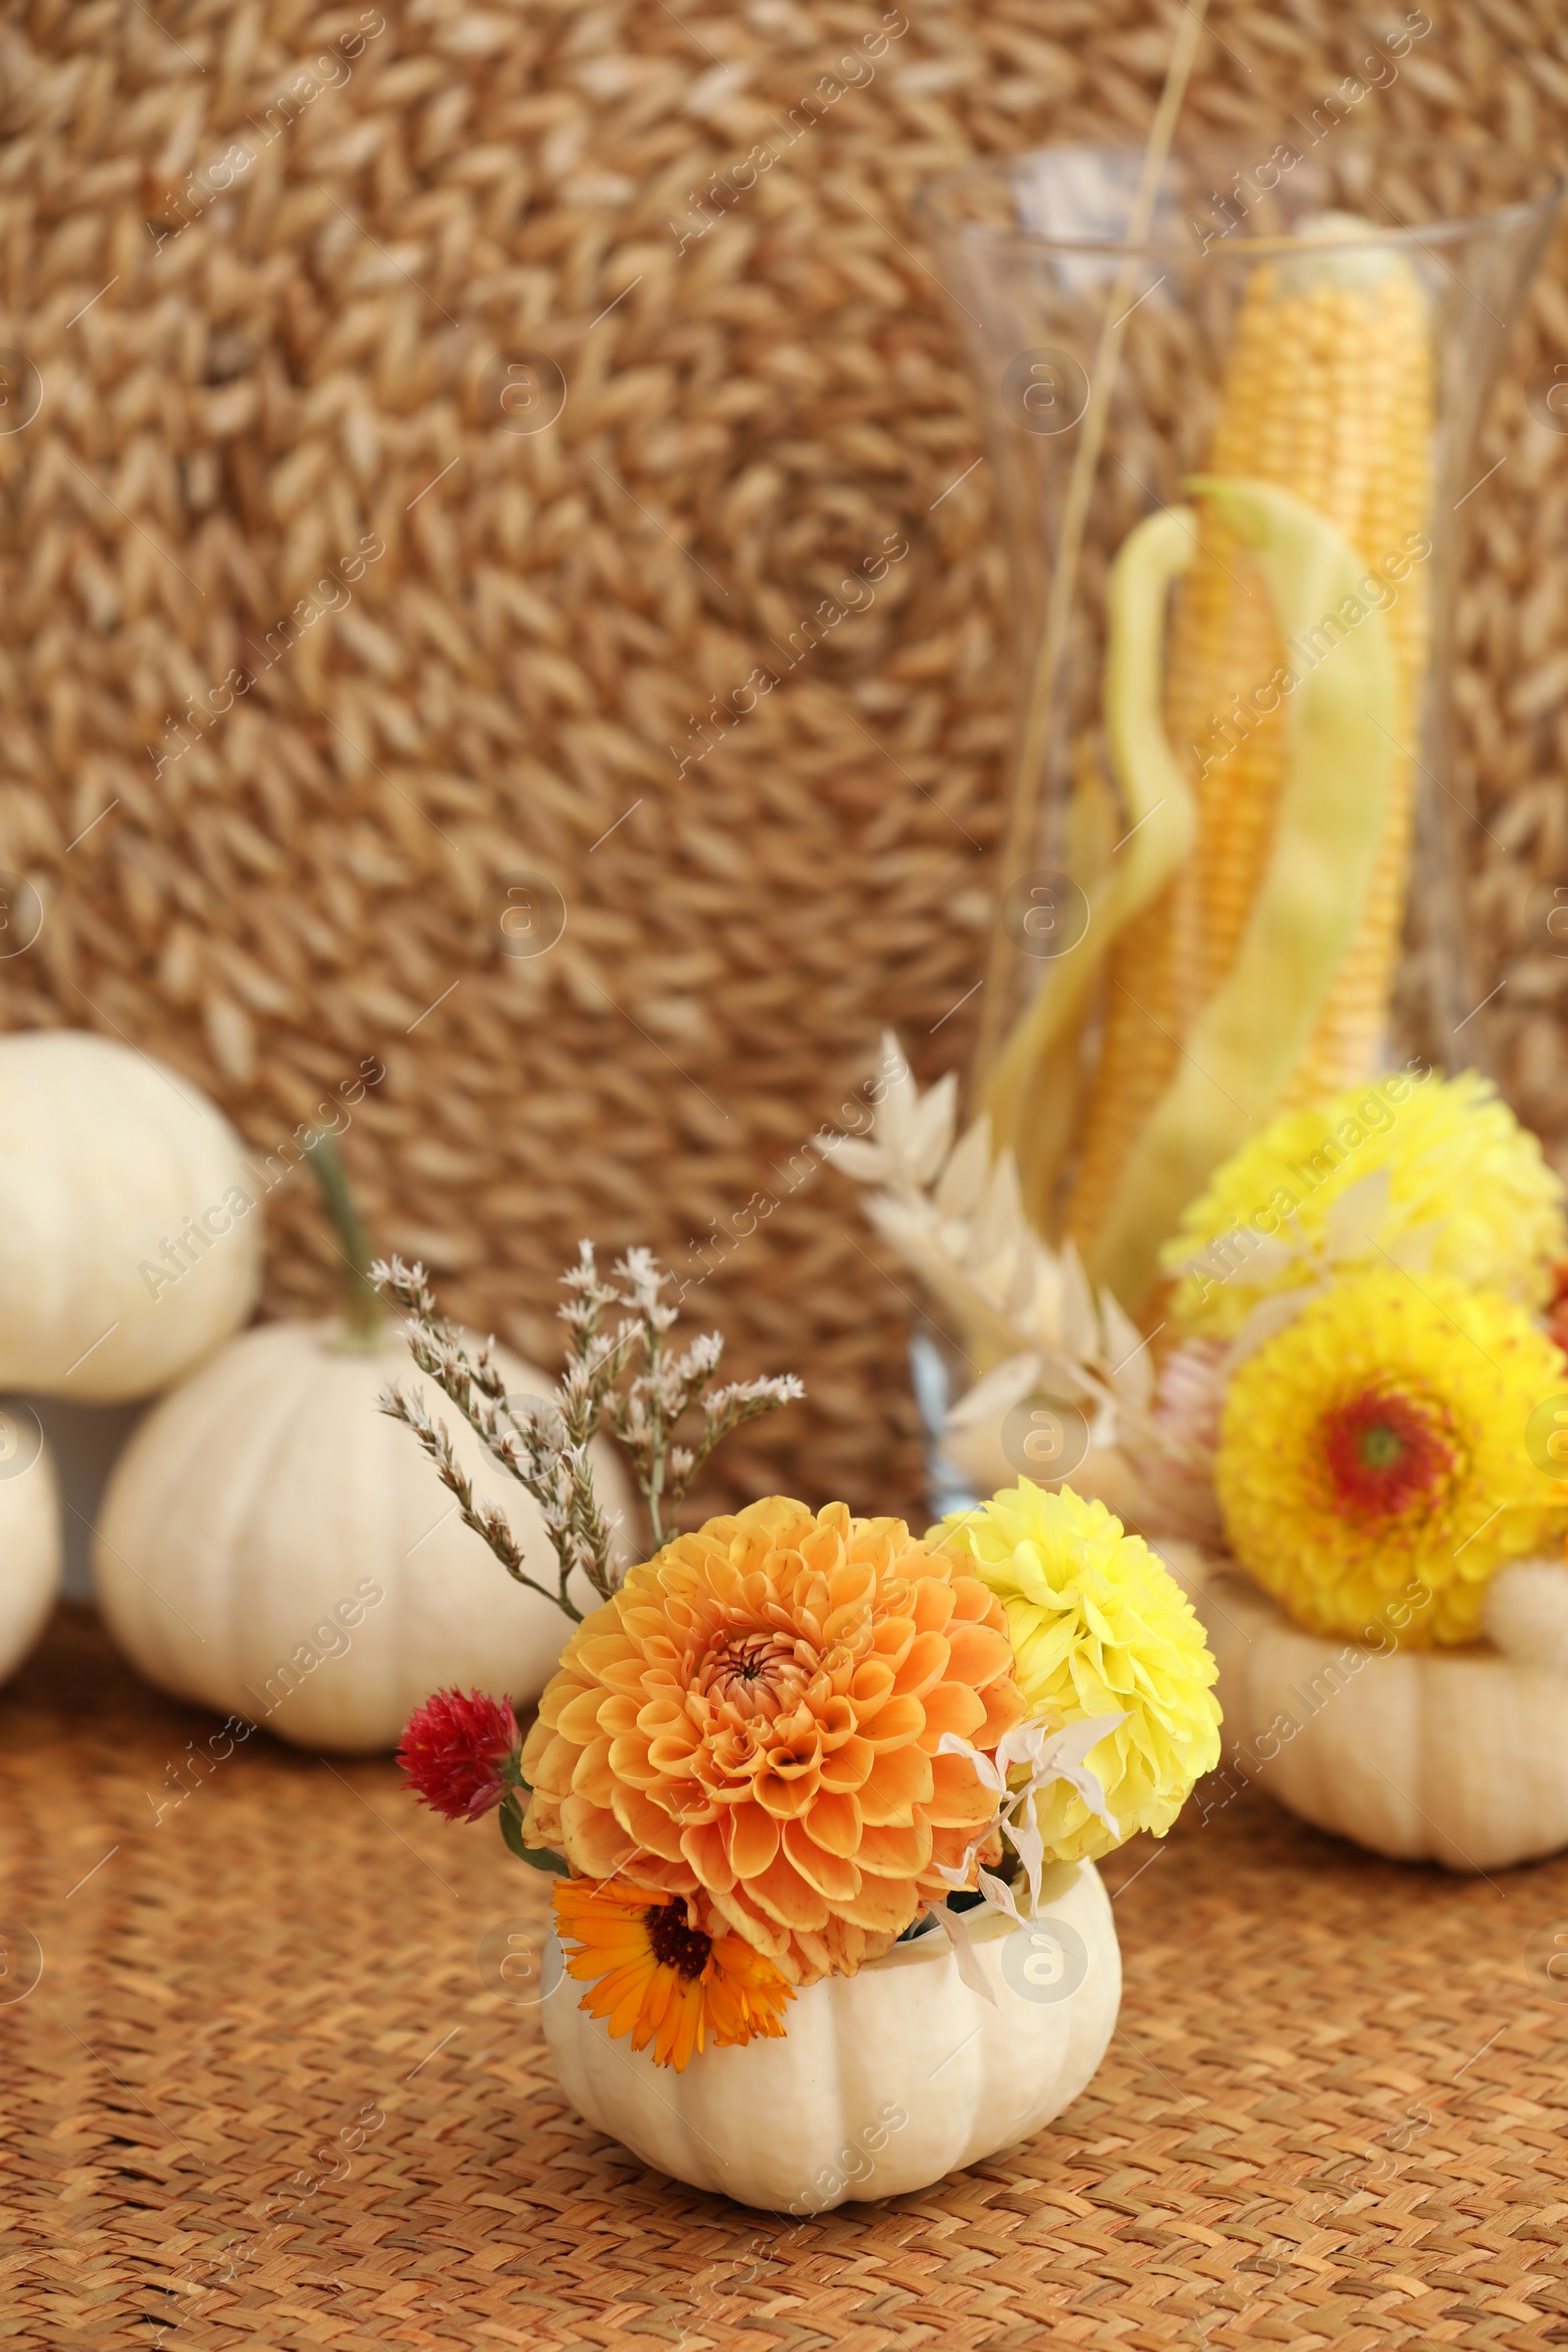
(669, 1386)
(1028, 1315)
(543, 1442)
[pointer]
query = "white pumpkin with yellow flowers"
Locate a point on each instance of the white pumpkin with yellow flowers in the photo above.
(1372, 1288)
(821, 1797)
(1354, 1451)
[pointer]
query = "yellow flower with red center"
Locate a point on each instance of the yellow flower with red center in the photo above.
(1375, 1451)
(752, 1721)
(655, 1976)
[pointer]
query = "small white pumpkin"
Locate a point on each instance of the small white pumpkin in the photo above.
(131, 1235)
(1458, 1756)
(32, 1555)
(883, 2081)
(273, 1547)
(271, 1544)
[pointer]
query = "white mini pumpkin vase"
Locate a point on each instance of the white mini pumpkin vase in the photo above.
(131, 1230)
(271, 1545)
(32, 1555)
(884, 2082)
(1458, 1756)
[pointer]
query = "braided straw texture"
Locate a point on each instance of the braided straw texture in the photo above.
(252, 373)
(264, 2095)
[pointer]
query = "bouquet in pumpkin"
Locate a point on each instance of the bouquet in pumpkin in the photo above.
(782, 1742)
(1356, 1385)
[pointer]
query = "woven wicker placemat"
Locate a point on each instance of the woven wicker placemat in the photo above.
(264, 2089)
(246, 366)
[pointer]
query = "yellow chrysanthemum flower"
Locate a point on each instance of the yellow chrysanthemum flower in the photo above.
(1461, 1168)
(1373, 1470)
(1098, 1627)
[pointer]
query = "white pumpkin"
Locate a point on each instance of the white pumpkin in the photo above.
(1458, 1756)
(125, 1255)
(273, 1547)
(32, 1555)
(883, 2081)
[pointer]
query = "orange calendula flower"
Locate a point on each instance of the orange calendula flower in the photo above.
(661, 1980)
(753, 1722)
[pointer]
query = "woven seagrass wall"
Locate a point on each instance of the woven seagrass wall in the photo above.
(285, 400)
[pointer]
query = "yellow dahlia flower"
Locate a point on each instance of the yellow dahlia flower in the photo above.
(1098, 1627)
(1372, 1469)
(753, 1722)
(1459, 1168)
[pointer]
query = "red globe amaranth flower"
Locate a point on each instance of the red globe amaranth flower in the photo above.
(453, 1750)
(1385, 1453)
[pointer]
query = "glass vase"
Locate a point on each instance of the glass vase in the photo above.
(938, 1374)
(1232, 417)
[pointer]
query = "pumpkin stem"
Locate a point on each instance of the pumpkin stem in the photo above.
(364, 1316)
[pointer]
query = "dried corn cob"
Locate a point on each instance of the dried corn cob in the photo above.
(1328, 395)
(1314, 896)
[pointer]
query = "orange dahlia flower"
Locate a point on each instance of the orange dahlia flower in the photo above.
(658, 1979)
(752, 1722)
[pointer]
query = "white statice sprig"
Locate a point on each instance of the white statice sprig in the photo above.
(1028, 1314)
(542, 1442)
(667, 1387)
(620, 1375)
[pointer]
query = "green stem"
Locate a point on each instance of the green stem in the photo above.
(364, 1316)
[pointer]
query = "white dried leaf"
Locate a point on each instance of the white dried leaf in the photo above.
(999, 1896)
(963, 1951)
(1062, 1375)
(1080, 1326)
(1130, 1366)
(1240, 1252)
(951, 1235)
(931, 1137)
(1412, 1249)
(951, 1743)
(1043, 1316)
(908, 1226)
(963, 1179)
(864, 1161)
(991, 1273)
(1050, 1755)
(1269, 1258)
(996, 1392)
(1018, 1293)
(1000, 1224)
(1352, 1219)
(1268, 1317)
(901, 1103)
(956, 1217)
